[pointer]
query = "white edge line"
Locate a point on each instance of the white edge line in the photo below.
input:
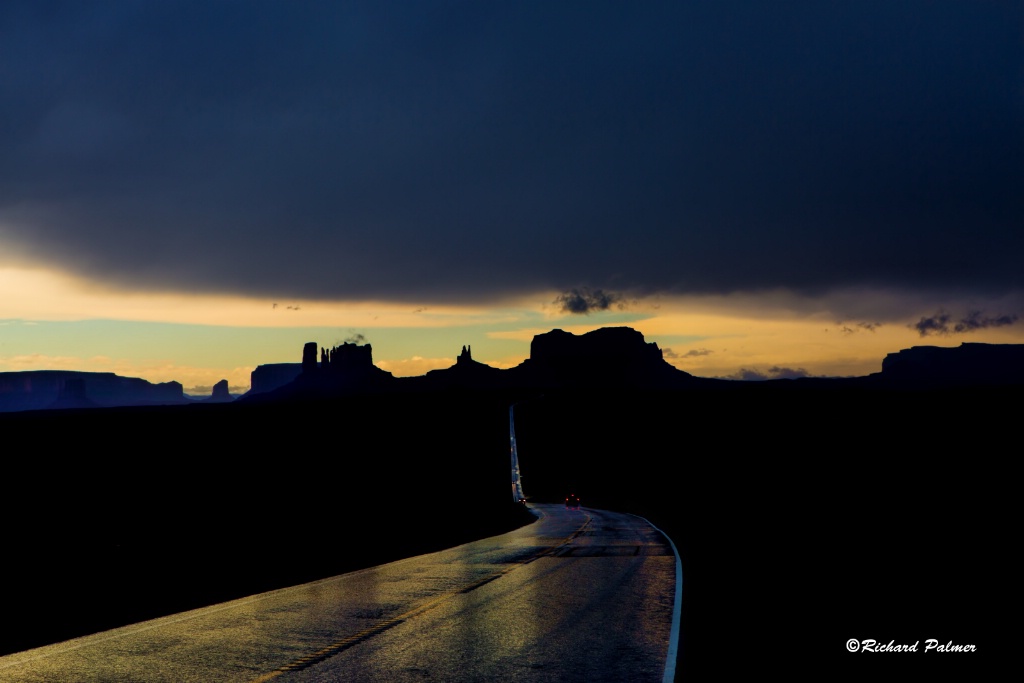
(677, 605)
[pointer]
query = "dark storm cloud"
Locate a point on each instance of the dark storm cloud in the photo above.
(976, 320)
(941, 323)
(583, 301)
(936, 324)
(448, 151)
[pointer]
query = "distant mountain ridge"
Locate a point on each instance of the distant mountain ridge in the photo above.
(43, 389)
(74, 389)
(609, 357)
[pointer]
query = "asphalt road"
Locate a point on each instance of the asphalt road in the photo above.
(584, 595)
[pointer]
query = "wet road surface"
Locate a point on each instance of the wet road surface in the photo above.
(583, 595)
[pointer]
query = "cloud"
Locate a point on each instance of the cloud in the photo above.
(446, 153)
(355, 338)
(583, 301)
(692, 353)
(941, 323)
(857, 327)
(39, 361)
(936, 324)
(975, 320)
(775, 372)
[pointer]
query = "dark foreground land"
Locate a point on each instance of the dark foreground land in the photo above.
(112, 516)
(803, 519)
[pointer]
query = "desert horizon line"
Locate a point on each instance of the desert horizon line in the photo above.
(780, 373)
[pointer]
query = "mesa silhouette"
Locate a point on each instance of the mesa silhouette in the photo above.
(611, 357)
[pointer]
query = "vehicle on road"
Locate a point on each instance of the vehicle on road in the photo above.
(572, 502)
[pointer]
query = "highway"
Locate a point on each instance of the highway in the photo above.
(586, 595)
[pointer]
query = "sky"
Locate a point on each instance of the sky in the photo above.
(189, 189)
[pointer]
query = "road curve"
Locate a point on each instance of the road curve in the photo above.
(583, 595)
